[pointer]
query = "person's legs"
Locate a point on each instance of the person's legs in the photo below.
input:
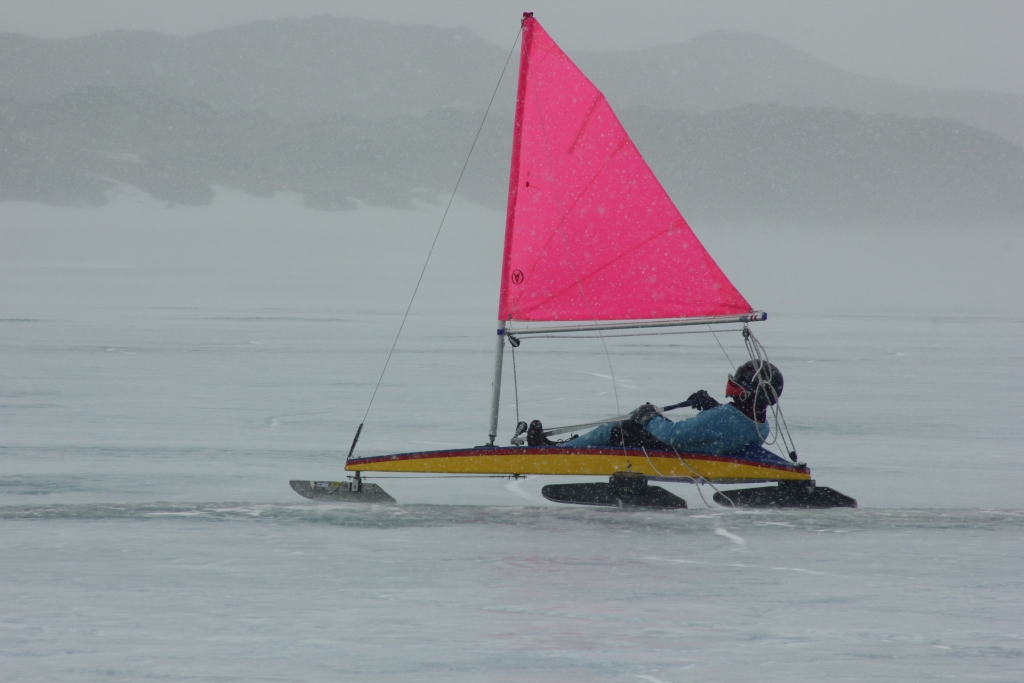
(626, 433)
(599, 436)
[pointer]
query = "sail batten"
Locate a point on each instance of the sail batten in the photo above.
(591, 235)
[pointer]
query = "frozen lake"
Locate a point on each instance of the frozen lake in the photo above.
(164, 371)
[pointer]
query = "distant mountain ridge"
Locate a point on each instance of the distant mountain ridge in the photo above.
(753, 164)
(301, 69)
(739, 129)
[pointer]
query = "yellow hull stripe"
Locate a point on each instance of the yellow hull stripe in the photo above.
(592, 462)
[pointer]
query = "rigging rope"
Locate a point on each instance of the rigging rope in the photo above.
(783, 439)
(698, 478)
(434, 243)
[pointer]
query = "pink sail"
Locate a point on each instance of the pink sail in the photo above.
(590, 232)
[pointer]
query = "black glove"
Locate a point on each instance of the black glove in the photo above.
(645, 413)
(701, 400)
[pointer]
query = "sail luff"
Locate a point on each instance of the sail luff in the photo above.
(517, 140)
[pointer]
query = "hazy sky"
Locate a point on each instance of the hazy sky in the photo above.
(932, 43)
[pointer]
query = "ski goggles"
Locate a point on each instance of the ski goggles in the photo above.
(732, 388)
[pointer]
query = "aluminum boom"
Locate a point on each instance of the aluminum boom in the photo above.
(754, 316)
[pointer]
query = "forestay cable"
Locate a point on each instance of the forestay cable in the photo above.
(433, 244)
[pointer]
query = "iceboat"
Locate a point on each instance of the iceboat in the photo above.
(593, 243)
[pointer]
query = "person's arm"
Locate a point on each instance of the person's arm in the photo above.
(702, 400)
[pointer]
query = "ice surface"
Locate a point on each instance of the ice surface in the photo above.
(164, 371)
(453, 593)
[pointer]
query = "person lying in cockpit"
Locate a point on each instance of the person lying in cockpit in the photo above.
(716, 430)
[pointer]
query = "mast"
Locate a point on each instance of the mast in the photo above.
(510, 215)
(499, 356)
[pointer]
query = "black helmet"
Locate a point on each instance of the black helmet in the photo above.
(761, 379)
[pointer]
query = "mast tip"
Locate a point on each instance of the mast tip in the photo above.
(527, 15)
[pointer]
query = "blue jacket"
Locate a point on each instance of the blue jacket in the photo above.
(719, 431)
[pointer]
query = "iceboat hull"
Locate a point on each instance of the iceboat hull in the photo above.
(753, 465)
